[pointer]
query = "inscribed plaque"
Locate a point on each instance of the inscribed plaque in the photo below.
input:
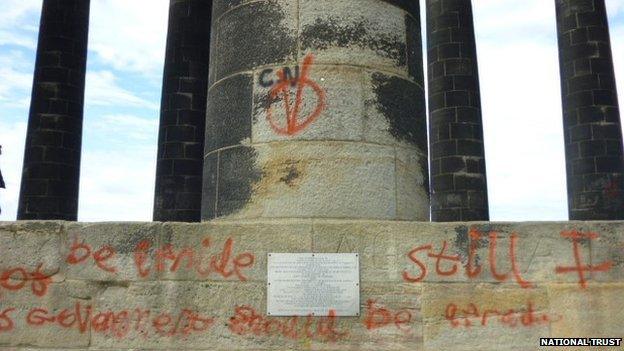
(302, 284)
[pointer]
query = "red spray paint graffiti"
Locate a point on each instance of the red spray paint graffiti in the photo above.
(381, 317)
(471, 271)
(6, 322)
(294, 124)
(473, 316)
(80, 252)
(246, 321)
(166, 258)
(15, 279)
(579, 267)
(169, 259)
(119, 324)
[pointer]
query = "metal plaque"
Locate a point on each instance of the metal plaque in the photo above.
(304, 284)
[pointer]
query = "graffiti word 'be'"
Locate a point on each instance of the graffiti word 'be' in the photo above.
(380, 317)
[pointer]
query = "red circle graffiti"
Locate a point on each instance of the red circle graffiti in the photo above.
(294, 124)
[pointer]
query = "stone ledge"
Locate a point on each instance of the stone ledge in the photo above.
(424, 286)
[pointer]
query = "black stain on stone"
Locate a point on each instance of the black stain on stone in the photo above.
(209, 186)
(293, 174)
(220, 7)
(237, 175)
(462, 243)
(414, 49)
(228, 115)
(403, 104)
(325, 33)
(262, 102)
(129, 245)
(252, 35)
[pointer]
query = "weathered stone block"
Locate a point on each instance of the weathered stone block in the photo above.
(274, 27)
(32, 246)
(320, 179)
(395, 111)
(352, 33)
(587, 312)
(228, 116)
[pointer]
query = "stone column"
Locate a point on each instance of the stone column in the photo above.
(51, 172)
(591, 118)
(458, 180)
(316, 109)
(183, 112)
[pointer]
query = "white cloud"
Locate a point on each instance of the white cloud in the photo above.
(615, 7)
(130, 35)
(102, 89)
(117, 185)
(123, 127)
(15, 13)
(12, 38)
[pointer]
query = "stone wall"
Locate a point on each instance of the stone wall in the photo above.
(424, 286)
(315, 107)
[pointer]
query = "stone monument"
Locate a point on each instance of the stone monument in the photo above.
(309, 174)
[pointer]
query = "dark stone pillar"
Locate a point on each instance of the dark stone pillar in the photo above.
(591, 118)
(51, 170)
(458, 180)
(183, 112)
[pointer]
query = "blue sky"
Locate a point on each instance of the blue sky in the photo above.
(519, 76)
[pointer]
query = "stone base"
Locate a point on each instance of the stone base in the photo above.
(424, 286)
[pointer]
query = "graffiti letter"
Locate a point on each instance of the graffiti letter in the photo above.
(579, 267)
(423, 268)
(442, 256)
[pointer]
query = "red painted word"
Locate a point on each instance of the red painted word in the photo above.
(167, 258)
(472, 316)
(6, 322)
(120, 324)
(294, 124)
(579, 267)
(15, 279)
(80, 252)
(471, 270)
(380, 317)
(246, 321)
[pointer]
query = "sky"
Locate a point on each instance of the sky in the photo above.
(519, 76)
